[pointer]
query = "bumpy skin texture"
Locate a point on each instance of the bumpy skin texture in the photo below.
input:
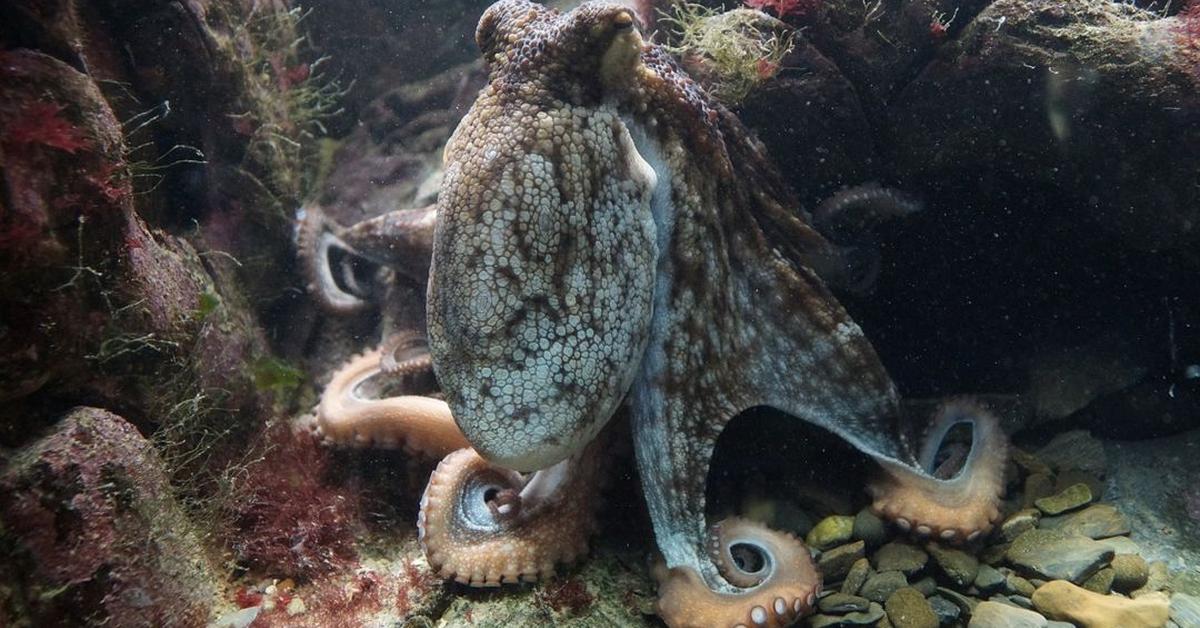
(544, 250)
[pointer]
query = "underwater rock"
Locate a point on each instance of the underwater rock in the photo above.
(869, 528)
(830, 531)
(859, 572)
(1049, 91)
(838, 562)
(97, 531)
(1065, 601)
(838, 603)
(1100, 582)
(1018, 523)
(825, 136)
(113, 310)
(1055, 555)
(1070, 498)
(869, 617)
(997, 615)
(907, 608)
(899, 556)
(1097, 522)
(1130, 572)
(879, 587)
(958, 566)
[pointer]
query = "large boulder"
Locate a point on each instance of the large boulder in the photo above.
(93, 529)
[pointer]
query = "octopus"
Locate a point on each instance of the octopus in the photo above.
(609, 239)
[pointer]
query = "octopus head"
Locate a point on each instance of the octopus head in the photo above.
(544, 255)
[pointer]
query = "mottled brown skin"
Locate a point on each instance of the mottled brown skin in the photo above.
(607, 234)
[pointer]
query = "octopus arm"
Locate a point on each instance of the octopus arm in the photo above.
(346, 416)
(484, 525)
(400, 239)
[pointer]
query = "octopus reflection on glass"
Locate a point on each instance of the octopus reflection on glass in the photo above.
(605, 235)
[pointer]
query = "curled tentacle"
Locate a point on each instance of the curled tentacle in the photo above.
(851, 260)
(406, 354)
(314, 243)
(346, 416)
(772, 572)
(962, 507)
(485, 525)
(853, 212)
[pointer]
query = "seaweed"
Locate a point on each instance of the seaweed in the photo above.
(734, 51)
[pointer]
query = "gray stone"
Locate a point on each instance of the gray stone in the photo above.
(1057, 556)
(927, 586)
(1019, 586)
(1022, 601)
(836, 563)
(899, 556)
(858, 574)
(840, 604)
(964, 603)
(1096, 521)
(879, 587)
(869, 528)
(1070, 498)
(863, 618)
(997, 615)
(958, 566)
(947, 612)
(988, 580)
(1121, 545)
(993, 554)
(1185, 610)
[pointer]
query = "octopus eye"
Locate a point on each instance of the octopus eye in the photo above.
(623, 21)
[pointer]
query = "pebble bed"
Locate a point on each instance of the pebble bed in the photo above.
(1060, 557)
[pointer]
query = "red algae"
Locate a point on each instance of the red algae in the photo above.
(292, 521)
(41, 124)
(785, 8)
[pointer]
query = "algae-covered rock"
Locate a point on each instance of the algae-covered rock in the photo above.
(1098, 521)
(1054, 555)
(899, 556)
(837, 563)
(97, 532)
(831, 531)
(1072, 497)
(907, 608)
(959, 567)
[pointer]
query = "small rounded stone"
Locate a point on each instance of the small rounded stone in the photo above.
(830, 532)
(907, 608)
(1130, 572)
